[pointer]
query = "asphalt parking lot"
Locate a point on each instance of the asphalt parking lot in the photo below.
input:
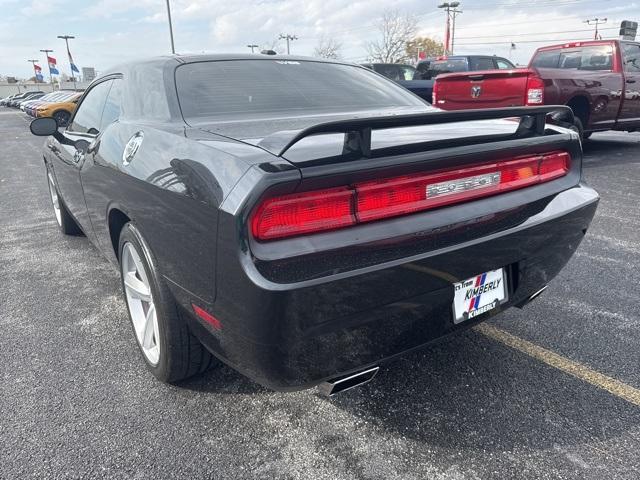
(552, 391)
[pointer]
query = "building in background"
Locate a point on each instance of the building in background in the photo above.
(88, 74)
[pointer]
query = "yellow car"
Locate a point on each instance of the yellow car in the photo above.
(60, 109)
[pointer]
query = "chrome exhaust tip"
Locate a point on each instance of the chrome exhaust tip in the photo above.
(342, 384)
(531, 297)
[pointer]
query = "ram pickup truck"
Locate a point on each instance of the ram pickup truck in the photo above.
(599, 80)
(420, 79)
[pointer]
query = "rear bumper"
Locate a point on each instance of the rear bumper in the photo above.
(289, 336)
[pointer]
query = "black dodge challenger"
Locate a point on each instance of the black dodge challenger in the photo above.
(305, 220)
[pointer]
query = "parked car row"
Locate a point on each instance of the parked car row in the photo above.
(59, 104)
(599, 80)
(15, 99)
(420, 79)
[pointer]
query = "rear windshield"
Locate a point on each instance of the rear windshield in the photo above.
(241, 88)
(433, 69)
(594, 57)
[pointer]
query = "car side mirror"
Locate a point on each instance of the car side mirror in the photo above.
(81, 145)
(43, 127)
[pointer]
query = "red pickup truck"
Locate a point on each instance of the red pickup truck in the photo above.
(599, 80)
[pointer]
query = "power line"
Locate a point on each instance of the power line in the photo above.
(552, 41)
(533, 33)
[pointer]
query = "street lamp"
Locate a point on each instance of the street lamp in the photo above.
(450, 7)
(252, 46)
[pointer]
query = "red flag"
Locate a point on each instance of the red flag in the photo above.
(51, 60)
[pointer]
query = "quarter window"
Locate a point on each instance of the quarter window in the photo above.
(631, 57)
(111, 111)
(88, 117)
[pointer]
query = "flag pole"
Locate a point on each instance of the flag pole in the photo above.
(46, 54)
(66, 40)
(35, 72)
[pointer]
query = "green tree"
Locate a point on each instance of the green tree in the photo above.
(430, 47)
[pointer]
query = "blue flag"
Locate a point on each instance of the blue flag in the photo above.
(39, 77)
(74, 68)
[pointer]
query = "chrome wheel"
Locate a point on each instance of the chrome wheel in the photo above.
(54, 198)
(140, 301)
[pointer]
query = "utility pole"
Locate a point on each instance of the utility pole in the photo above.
(454, 12)
(173, 48)
(35, 73)
(252, 46)
(289, 38)
(596, 22)
(71, 64)
(448, 47)
(46, 54)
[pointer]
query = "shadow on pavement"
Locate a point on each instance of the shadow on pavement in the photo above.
(471, 393)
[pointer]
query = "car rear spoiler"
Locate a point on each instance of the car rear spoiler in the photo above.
(358, 131)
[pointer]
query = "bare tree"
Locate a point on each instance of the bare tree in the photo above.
(328, 48)
(396, 29)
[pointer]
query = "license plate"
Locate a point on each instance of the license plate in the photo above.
(478, 295)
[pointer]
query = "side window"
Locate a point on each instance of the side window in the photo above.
(588, 58)
(503, 65)
(631, 57)
(111, 111)
(89, 114)
(481, 63)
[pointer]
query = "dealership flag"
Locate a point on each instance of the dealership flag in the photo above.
(52, 66)
(73, 65)
(38, 71)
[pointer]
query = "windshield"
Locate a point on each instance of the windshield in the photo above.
(266, 88)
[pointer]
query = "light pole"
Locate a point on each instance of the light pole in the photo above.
(173, 47)
(35, 72)
(71, 64)
(252, 46)
(46, 55)
(447, 35)
(454, 12)
(596, 22)
(289, 38)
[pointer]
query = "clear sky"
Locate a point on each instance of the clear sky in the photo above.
(111, 31)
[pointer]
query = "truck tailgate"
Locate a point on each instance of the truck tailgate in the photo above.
(482, 89)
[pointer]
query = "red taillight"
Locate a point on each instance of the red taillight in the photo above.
(535, 91)
(303, 213)
(554, 165)
(323, 210)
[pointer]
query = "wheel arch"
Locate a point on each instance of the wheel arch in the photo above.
(581, 108)
(116, 220)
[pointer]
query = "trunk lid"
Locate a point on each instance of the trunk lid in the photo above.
(482, 89)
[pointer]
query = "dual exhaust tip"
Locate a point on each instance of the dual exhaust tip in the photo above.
(353, 380)
(347, 382)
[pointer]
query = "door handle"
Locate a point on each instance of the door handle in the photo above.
(53, 148)
(630, 81)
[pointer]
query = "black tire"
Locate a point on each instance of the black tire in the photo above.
(66, 222)
(62, 117)
(578, 127)
(181, 353)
